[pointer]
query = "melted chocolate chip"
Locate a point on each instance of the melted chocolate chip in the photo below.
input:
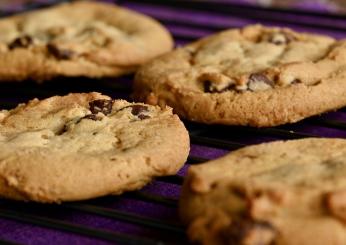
(138, 109)
(91, 117)
(103, 106)
(281, 38)
(142, 116)
(62, 130)
(208, 88)
(296, 81)
(21, 42)
(62, 54)
(240, 230)
(258, 81)
(239, 192)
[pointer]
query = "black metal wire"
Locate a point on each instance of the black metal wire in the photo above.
(166, 201)
(196, 159)
(74, 228)
(128, 217)
(329, 123)
(221, 5)
(5, 242)
(256, 13)
(212, 142)
(175, 179)
(278, 132)
(199, 134)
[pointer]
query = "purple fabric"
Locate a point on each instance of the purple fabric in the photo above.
(186, 25)
(322, 6)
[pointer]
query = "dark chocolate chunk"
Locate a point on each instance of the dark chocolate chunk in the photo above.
(62, 54)
(208, 87)
(258, 81)
(103, 106)
(21, 42)
(138, 109)
(240, 231)
(142, 116)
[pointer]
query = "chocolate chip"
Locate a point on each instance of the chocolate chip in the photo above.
(62, 130)
(21, 42)
(207, 87)
(63, 54)
(103, 106)
(281, 38)
(138, 109)
(142, 116)
(247, 231)
(296, 81)
(258, 81)
(91, 117)
(238, 192)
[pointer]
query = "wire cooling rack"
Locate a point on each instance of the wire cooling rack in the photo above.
(149, 216)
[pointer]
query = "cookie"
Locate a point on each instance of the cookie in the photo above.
(257, 76)
(82, 146)
(87, 39)
(282, 193)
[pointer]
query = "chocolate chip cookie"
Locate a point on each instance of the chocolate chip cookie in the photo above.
(257, 76)
(88, 39)
(82, 146)
(282, 193)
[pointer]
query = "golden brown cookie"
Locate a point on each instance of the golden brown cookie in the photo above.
(82, 146)
(89, 39)
(282, 193)
(257, 76)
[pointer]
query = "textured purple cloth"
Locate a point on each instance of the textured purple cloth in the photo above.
(186, 25)
(322, 6)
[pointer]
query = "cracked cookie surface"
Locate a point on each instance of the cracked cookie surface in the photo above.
(82, 146)
(283, 193)
(257, 76)
(78, 39)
